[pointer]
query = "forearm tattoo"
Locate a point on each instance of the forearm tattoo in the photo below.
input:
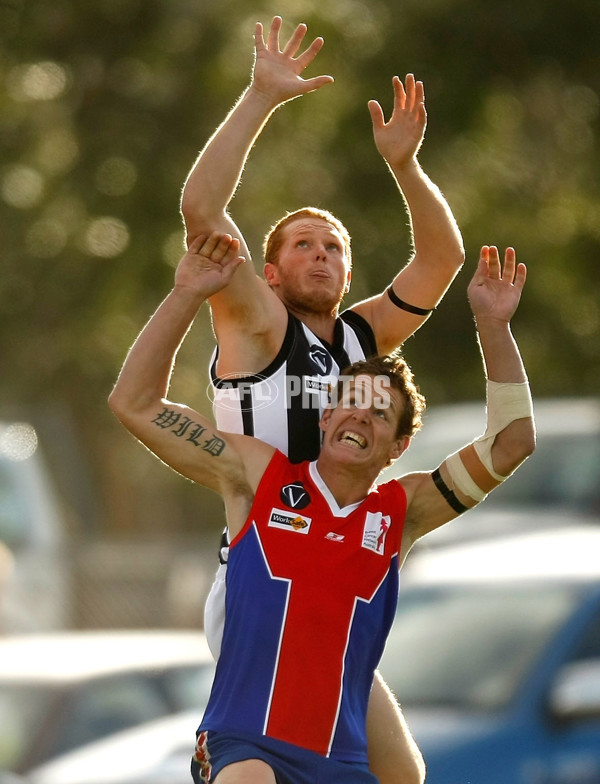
(184, 427)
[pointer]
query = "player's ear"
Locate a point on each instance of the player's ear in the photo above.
(325, 419)
(399, 446)
(271, 273)
(348, 281)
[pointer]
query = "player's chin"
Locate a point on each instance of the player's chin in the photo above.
(323, 296)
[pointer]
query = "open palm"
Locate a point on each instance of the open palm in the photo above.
(495, 291)
(399, 139)
(277, 71)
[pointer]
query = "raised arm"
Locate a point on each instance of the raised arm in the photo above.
(464, 478)
(178, 435)
(215, 176)
(438, 252)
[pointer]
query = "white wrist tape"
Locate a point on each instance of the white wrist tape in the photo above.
(461, 478)
(505, 403)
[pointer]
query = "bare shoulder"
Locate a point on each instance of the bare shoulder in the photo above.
(255, 456)
(239, 487)
(411, 483)
(425, 506)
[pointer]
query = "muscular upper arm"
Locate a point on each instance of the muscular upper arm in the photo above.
(427, 509)
(191, 445)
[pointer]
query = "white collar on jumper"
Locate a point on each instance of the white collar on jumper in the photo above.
(335, 508)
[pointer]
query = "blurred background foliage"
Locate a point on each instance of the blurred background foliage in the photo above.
(103, 108)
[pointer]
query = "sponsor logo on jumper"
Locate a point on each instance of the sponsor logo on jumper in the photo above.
(316, 385)
(295, 495)
(321, 359)
(375, 531)
(289, 521)
(333, 537)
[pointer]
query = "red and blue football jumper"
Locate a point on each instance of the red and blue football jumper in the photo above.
(311, 596)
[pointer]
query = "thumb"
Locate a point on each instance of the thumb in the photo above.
(521, 276)
(482, 270)
(316, 82)
(232, 266)
(376, 113)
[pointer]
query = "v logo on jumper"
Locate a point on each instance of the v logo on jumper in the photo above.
(321, 359)
(295, 495)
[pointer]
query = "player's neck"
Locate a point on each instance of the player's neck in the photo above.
(348, 484)
(321, 324)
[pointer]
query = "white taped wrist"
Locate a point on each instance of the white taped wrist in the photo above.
(461, 478)
(506, 402)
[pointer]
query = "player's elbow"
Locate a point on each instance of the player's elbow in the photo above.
(125, 404)
(450, 255)
(198, 212)
(526, 438)
(119, 404)
(128, 413)
(455, 257)
(517, 444)
(189, 204)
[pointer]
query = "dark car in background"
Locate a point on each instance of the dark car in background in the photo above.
(495, 658)
(64, 690)
(156, 752)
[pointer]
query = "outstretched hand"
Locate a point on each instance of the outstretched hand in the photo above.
(494, 292)
(399, 139)
(209, 264)
(277, 71)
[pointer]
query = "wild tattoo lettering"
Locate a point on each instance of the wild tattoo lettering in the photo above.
(184, 427)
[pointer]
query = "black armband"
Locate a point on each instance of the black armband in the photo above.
(400, 303)
(448, 494)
